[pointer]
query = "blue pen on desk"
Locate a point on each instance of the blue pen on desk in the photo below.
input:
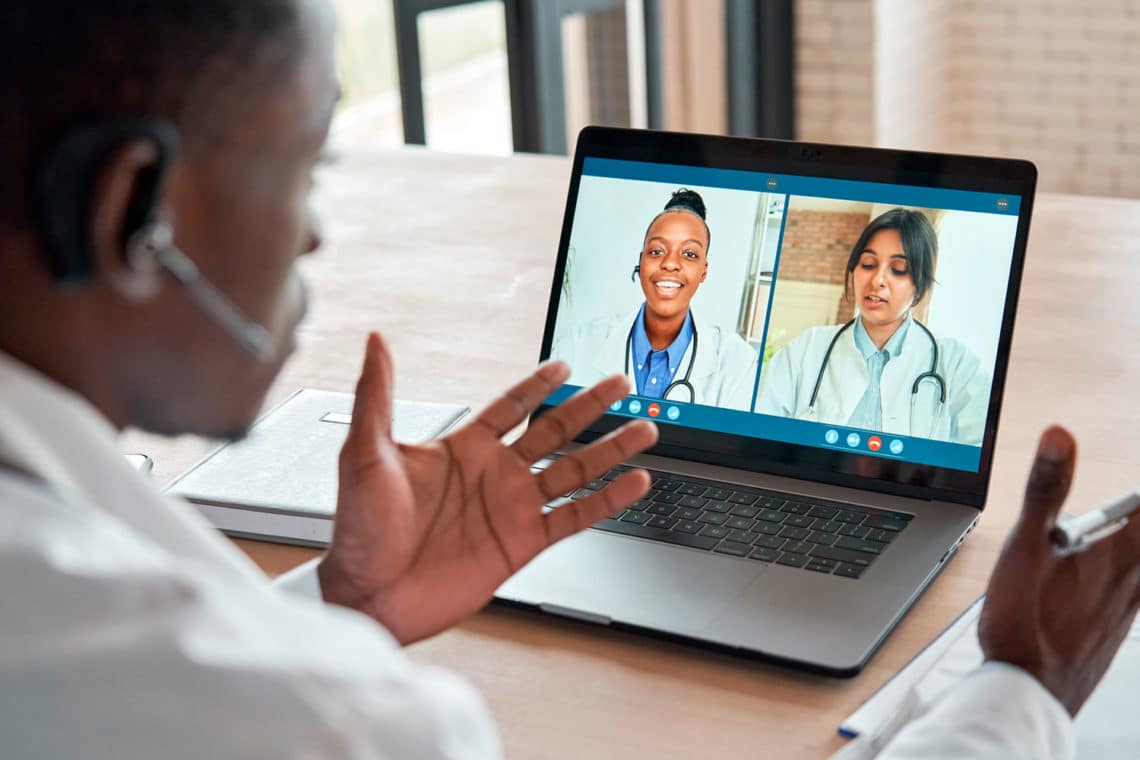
(1079, 533)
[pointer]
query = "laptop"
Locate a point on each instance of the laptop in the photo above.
(821, 334)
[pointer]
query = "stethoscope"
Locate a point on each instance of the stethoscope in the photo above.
(931, 374)
(684, 381)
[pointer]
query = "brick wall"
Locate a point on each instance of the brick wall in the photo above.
(816, 247)
(834, 89)
(1053, 81)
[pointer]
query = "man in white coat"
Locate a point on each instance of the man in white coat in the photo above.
(130, 629)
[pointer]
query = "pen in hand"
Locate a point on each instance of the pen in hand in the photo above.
(1081, 532)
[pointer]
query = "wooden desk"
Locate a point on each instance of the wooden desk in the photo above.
(452, 258)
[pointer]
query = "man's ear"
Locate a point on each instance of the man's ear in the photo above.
(122, 196)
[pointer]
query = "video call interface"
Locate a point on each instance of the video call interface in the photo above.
(862, 317)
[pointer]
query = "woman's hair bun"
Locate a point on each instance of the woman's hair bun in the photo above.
(688, 200)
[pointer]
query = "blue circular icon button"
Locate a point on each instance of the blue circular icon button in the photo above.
(673, 413)
(896, 447)
(831, 436)
(853, 439)
(616, 406)
(635, 407)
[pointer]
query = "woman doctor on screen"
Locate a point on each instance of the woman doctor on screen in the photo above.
(883, 370)
(665, 347)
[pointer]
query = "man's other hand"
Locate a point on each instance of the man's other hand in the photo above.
(425, 534)
(1061, 619)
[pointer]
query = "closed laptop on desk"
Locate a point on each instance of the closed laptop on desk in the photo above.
(822, 335)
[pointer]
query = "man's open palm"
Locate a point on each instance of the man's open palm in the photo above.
(424, 534)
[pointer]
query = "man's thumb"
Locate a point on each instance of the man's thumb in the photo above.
(1049, 482)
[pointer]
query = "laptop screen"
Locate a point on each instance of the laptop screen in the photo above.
(840, 315)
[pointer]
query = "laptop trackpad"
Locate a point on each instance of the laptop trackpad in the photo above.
(599, 576)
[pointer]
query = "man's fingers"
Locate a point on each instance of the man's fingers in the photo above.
(516, 404)
(558, 427)
(577, 515)
(583, 465)
(372, 407)
(1048, 485)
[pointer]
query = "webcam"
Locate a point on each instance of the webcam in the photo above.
(808, 153)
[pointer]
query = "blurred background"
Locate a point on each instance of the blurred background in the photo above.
(1057, 82)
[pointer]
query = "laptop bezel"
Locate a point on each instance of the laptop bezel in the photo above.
(989, 175)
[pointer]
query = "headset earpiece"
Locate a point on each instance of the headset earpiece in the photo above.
(65, 181)
(634, 273)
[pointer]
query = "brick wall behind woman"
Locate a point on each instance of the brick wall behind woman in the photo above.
(816, 247)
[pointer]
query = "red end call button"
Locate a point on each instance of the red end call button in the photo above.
(654, 410)
(874, 443)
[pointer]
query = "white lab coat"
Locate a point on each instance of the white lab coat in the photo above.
(723, 374)
(787, 379)
(131, 629)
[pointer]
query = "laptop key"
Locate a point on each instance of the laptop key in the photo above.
(843, 555)
(855, 531)
(657, 534)
(718, 506)
(799, 521)
(714, 531)
(769, 542)
(743, 498)
(741, 523)
(771, 515)
(860, 545)
(885, 522)
(820, 565)
(692, 501)
(656, 508)
(688, 526)
(744, 510)
(796, 507)
(741, 536)
(640, 518)
(798, 547)
(767, 528)
(792, 559)
(640, 505)
(827, 526)
(771, 502)
(667, 498)
(819, 537)
(596, 485)
(734, 548)
(691, 489)
(885, 536)
(764, 554)
(667, 484)
(712, 518)
(826, 513)
(688, 513)
(848, 516)
(718, 494)
(796, 534)
(662, 522)
(849, 571)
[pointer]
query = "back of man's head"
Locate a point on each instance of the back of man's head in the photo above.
(70, 63)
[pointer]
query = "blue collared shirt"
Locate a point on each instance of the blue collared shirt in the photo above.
(868, 412)
(655, 370)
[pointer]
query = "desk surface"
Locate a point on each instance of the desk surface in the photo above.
(452, 258)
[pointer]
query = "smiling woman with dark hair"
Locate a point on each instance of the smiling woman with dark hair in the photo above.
(883, 370)
(664, 348)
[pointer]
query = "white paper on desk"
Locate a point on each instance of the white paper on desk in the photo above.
(1105, 728)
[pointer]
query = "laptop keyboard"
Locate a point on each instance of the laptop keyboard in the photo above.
(764, 526)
